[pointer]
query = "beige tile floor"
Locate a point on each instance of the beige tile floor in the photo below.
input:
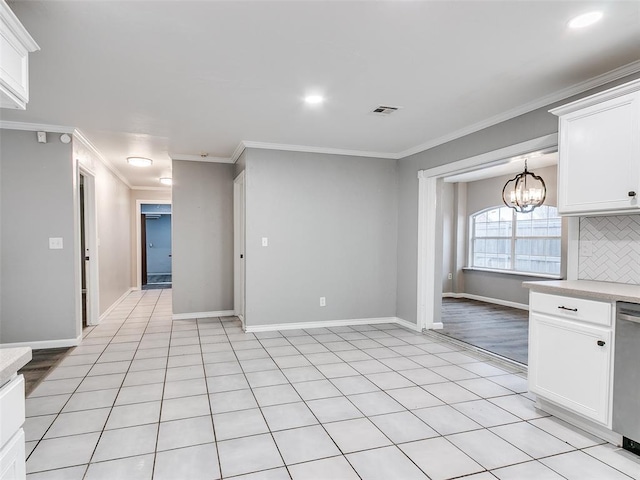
(146, 397)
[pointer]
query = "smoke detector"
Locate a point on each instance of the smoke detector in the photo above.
(384, 110)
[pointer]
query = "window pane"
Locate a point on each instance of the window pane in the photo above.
(537, 240)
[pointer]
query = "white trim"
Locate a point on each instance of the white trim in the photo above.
(558, 96)
(13, 24)
(91, 243)
(64, 342)
(239, 247)
(331, 323)
(194, 315)
(35, 127)
(78, 135)
(115, 304)
(324, 150)
(596, 98)
(237, 152)
(199, 158)
(154, 189)
(139, 202)
(573, 247)
(480, 298)
(429, 279)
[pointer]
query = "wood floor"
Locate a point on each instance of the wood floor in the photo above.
(42, 362)
(497, 329)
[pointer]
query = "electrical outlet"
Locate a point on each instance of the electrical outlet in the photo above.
(265, 242)
(586, 249)
(450, 276)
(323, 301)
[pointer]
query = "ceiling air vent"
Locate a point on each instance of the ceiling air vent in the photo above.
(384, 110)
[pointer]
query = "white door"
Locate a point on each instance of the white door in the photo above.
(238, 246)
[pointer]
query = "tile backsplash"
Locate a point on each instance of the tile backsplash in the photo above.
(615, 255)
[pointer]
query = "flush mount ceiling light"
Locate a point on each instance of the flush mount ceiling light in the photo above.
(166, 181)
(313, 99)
(524, 192)
(139, 161)
(585, 19)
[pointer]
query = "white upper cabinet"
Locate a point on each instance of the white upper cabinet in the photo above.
(15, 45)
(599, 147)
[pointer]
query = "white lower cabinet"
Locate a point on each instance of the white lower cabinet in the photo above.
(570, 364)
(12, 415)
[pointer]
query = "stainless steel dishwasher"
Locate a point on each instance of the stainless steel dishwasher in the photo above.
(626, 376)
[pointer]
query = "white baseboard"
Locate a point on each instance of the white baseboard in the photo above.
(406, 324)
(497, 301)
(331, 323)
(65, 342)
(437, 326)
(114, 305)
(194, 315)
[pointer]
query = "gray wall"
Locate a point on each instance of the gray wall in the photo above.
(113, 217)
(331, 222)
(202, 237)
(519, 129)
(38, 284)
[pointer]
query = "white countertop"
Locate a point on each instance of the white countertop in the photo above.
(12, 360)
(616, 292)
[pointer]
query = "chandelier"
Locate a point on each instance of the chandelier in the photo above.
(524, 192)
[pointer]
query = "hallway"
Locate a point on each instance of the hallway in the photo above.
(146, 397)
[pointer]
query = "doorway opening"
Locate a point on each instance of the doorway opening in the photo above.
(482, 305)
(238, 247)
(86, 250)
(155, 246)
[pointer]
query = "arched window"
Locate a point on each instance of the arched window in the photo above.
(502, 239)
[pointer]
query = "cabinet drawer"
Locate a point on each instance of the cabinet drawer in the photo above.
(11, 408)
(578, 309)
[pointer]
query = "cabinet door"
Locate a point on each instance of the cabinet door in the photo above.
(600, 157)
(568, 365)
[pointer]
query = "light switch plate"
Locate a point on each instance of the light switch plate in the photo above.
(55, 243)
(265, 242)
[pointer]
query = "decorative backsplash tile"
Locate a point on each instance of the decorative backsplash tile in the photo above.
(615, 252)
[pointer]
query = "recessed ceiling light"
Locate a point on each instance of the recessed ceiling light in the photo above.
(166, 181)
(585, 19)
(314, 99)
(139, 161)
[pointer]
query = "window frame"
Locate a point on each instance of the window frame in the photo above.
(512, 251)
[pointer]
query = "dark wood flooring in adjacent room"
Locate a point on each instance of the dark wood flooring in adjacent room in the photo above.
(43, 360)
(497, 329)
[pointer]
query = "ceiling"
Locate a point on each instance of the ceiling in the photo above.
(177, 79)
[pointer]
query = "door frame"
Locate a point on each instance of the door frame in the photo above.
(429, 294)
(91, 244)
(138, 214)
(239, 216)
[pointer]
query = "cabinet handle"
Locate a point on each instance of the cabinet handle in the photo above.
(632, 193)
(562, 307)
(601, 343)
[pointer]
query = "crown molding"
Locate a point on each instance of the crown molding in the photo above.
(327, 151)
(238, 151)
(80, 137)
(199, 158)
(13, 24)
(611, 76)
(35, 127)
